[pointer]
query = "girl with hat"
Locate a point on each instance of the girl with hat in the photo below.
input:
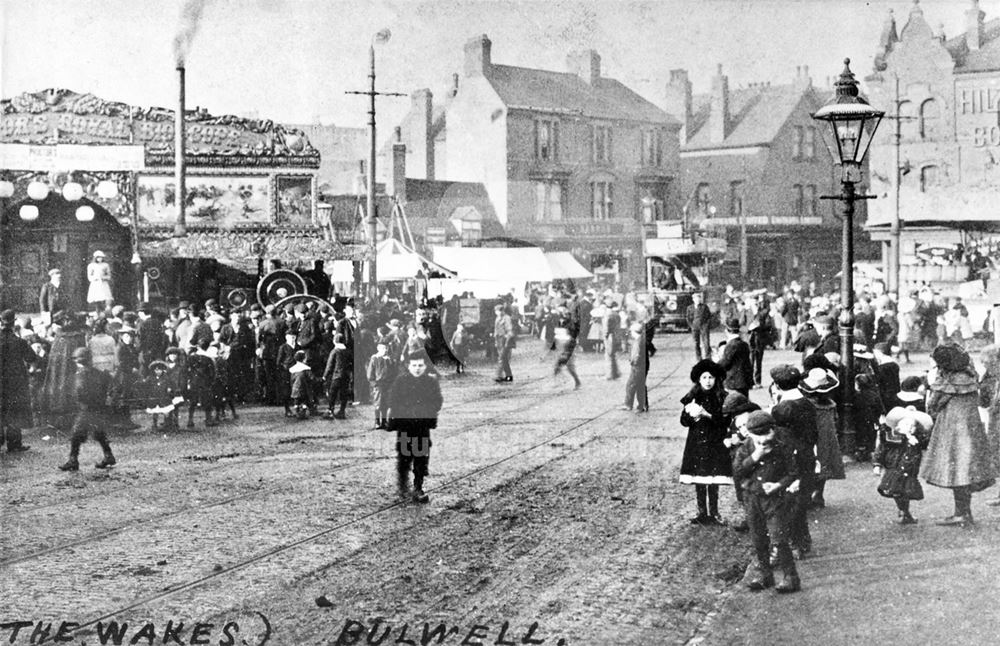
(818, 386)
(99, 275)
(706, 463)
(901, 443)
(959, 456)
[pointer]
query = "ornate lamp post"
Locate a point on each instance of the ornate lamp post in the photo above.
(854, 123)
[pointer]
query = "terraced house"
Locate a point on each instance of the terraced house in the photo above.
(573, 161)
(755, 166)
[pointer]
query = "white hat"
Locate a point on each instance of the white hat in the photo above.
(98, 254)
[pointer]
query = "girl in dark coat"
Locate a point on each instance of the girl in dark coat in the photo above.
(901, 443)
(959, 456)
(706, 462)
(989, 398)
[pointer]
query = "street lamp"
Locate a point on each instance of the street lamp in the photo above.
(854, 123)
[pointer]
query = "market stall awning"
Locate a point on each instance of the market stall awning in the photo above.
(520, 265)
(564, 265)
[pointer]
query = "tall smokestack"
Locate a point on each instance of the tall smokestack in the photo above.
(180, 227)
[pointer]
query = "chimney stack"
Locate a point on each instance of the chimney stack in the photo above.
(478, 56)
(180, 169)
(802, 78)
(586, 64)
(420, 138)
(397, 177)
(974, 26)
(678, 103)
(718, 116)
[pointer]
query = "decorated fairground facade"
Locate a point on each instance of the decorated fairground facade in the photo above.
(81, 174)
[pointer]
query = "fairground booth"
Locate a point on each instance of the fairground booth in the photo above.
(81, 174)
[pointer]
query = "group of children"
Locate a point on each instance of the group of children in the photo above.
(200, 378)
(780, 459)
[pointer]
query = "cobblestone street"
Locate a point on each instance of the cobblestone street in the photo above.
(554, 517)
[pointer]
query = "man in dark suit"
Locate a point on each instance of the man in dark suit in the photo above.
(153, 341)
(735, 360)
(828, 339)
(51, 298)
(699, 319)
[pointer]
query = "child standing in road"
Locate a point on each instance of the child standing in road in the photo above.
(706, 462)
(301, 386)
(414, 403)
(460, 347)
(381, 372)
(901, 443)
(766, 468)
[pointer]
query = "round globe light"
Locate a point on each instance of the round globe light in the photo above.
(107, 190)
(38, 190)
(6, 189)
(72, 191)
(84, 213)
(28, 212)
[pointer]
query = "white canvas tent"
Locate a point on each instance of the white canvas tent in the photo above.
(563, 265)
(394, 261)
(489, 272)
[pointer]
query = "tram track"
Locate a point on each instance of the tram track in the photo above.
(362, 515)
(324, 470)
(243, 459)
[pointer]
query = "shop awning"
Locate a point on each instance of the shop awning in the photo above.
(564, 265)
(520, 265)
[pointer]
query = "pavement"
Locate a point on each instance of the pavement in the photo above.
(554, 516)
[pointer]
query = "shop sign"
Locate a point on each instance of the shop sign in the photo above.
(436, 236)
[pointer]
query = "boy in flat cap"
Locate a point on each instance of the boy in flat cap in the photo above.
(766, 468)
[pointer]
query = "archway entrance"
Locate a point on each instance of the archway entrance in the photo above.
(56, 239)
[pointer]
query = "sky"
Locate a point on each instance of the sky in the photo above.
(293, 60)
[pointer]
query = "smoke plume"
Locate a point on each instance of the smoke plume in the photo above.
(187, 28)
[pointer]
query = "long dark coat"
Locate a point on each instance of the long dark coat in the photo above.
(59, 378)
(15, 395)
(736, 362)
(706, 459)
(959, 453)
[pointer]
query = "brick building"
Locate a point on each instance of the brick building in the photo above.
(754, 165)
(572, 161)
(948, 92)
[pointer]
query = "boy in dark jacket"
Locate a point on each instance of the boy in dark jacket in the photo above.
(766, 468)
(414, 402)
(337, 378)
(200, 375)
(90, 393)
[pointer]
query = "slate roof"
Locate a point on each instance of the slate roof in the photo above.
(565, 93)
(986, 59)
(431, 203)
(756, 115)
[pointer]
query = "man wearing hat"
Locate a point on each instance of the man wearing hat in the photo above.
(270, 337)
(183, 326)
(766, 467)
(16, 356)
(51, 298)
(151, 339)
(126, 374)
(99, 274)
(699, 320)
(735, 360)
(828, 339)
(90, 390)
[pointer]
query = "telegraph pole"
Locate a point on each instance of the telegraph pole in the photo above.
(372, 221)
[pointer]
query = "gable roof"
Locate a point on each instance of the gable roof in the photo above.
(562, 92)
(431, 203)
(985, 59)
(756, 115)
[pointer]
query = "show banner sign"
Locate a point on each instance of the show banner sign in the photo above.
(65, 117)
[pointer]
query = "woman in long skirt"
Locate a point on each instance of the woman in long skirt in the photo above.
(959, 456)
(817, 386)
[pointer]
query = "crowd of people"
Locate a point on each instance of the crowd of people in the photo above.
(779, 459)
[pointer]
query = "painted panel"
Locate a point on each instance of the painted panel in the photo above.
(223, 201)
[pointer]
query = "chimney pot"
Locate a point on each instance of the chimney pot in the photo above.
(718, 117)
